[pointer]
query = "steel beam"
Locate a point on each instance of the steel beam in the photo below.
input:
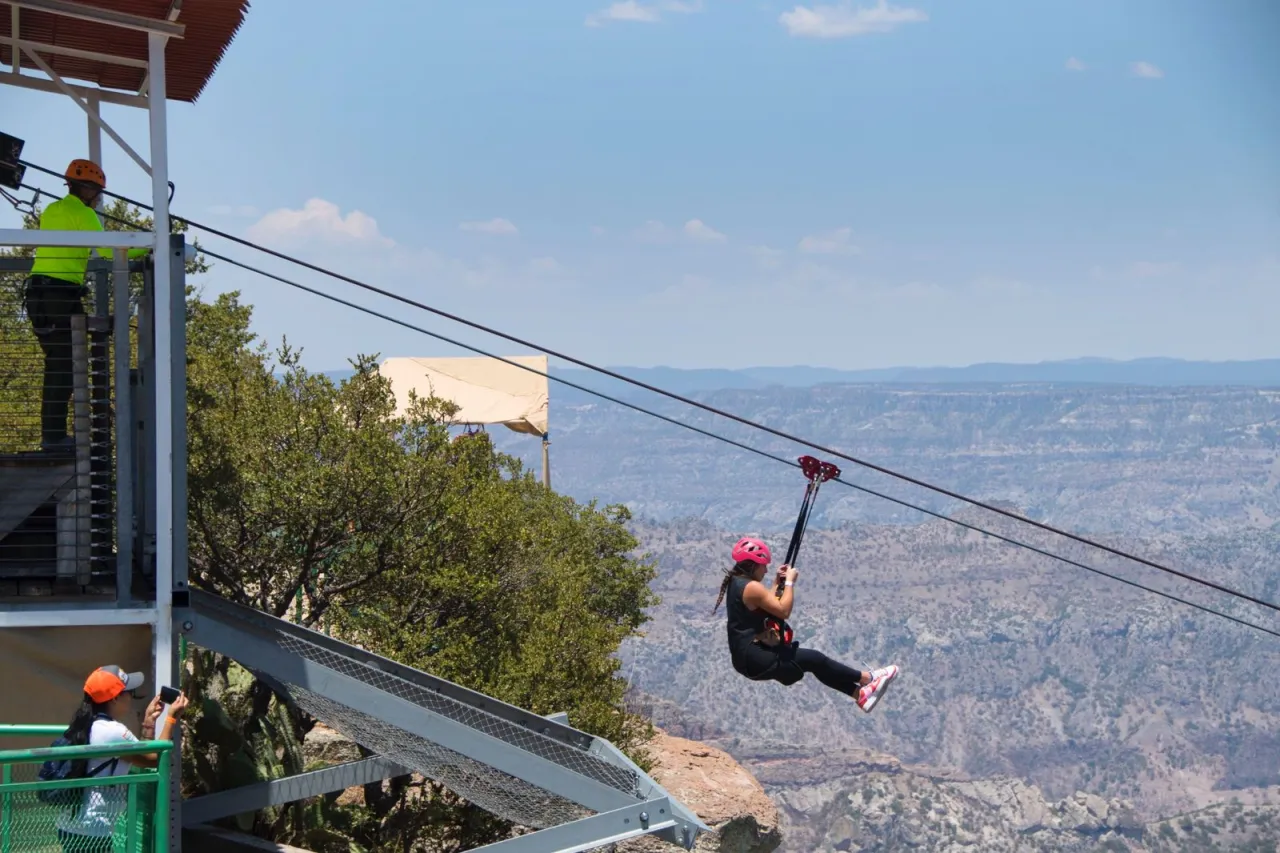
(66, 615)
(78, 239)
(56, 50)
(89, 111)
(39, 84)
(275, 792)
(163, 386)
(253, 650)
(178, 426)
(85, 12)
(591, 833)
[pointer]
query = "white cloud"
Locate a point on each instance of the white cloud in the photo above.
(645, 13)
(844, 21)
(319, 220)
(1074, 64)
(696, 229)
(652, 231)
(1147, 70)
(498, 226)
(829, 243)
(597, 230)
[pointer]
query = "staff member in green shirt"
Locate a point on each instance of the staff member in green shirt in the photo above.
(54, 294)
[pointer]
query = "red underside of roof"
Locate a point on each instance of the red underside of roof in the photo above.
(189, 61)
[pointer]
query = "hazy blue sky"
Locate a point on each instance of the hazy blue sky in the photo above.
(738, 182)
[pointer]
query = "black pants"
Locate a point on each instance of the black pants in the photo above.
(788, 664)
(50, 305)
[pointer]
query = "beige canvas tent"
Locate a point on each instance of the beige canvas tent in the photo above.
(487, 391)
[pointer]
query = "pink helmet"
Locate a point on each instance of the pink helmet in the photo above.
(751, 549)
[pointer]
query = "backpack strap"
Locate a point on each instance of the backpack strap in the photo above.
(111, 762)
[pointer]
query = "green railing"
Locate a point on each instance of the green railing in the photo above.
(125, 814)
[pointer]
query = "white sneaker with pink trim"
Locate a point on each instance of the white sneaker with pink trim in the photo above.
(873, 691)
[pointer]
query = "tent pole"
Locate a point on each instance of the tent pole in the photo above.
(546, 462)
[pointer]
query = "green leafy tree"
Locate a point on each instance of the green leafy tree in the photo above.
(316, 501)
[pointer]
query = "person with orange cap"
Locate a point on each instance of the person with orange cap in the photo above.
(54, 292)
(109, 694)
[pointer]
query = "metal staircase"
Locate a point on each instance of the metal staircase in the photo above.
(579, 791)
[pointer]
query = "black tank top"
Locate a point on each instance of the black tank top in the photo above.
(743, 623)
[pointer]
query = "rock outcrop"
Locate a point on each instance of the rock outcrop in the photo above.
(723, 794)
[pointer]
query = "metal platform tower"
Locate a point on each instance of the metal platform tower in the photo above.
(576, 791)
(132, 58)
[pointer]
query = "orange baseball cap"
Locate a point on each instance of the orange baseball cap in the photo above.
(107, 682)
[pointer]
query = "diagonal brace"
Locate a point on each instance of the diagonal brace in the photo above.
(275, 792)
(591, 833)
(687, 823)
(93, 116)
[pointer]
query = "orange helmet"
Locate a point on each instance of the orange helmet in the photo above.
(86, 170)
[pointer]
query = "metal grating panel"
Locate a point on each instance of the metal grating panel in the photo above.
(490, 789)
(576, 760)
(430, 693)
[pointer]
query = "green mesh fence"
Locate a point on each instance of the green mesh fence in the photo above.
(105, 814)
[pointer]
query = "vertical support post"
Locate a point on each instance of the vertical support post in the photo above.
(180, 596)
(178, 394)
(163, 822)
(165, 480)
(94, 103)
(162, 433)
(124, 427)
(546, 461)
(83, 452)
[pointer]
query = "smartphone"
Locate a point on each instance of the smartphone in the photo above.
(168, 694)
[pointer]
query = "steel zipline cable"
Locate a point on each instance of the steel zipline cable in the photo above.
(1033, 548)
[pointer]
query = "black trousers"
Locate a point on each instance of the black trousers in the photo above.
(788, 664)
(50, 305)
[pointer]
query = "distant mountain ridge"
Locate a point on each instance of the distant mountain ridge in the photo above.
(1158, 371)
(1164, 372)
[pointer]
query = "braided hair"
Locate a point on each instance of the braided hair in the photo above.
(741, 569)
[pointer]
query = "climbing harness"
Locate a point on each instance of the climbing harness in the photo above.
(816, 473)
